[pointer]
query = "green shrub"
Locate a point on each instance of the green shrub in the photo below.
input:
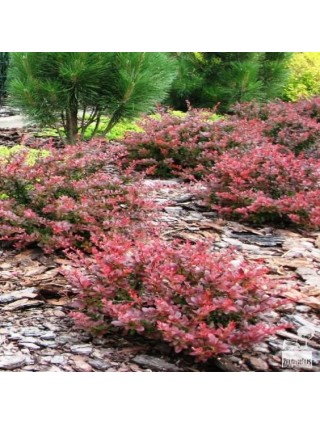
(33, 154)
(117, 132)
(304, 80)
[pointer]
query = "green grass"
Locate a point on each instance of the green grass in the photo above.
(48, 132)
(215, 117)
(33, 154)
(178, 114)
(117, 132)
(5, 151)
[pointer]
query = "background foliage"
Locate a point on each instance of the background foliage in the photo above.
(304, 76)
(209, 79)
(4, 63)
(75, 89)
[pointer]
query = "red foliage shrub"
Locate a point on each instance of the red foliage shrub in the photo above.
(189, 146)
(62, 198)
(242, 133)
(288, 127)
(310, 108)
(254, 110)
(266, 183)
(194, 299)
(248, 110)
(295, 125)
(175, 144)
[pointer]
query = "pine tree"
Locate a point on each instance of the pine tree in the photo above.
(4, 62)
(76, 89)
(274, 73)
(211, 78)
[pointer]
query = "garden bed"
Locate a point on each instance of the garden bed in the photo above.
(37, 333)
(36, 328)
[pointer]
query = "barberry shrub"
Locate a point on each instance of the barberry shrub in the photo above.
(287, 126)
(265, 183)
(199, 302)
(175, 144)
(295, 125)
(188, 146)
(310, 108)
(60, 198)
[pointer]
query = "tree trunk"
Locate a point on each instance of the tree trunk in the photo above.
(72, 125)
(110, 126)
(72, 120)
(116, 117)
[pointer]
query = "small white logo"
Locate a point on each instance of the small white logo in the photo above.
(295, 355)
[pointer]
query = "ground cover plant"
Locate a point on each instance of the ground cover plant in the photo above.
(57, 200)
(260, 164)
(176, 143)
(266, 184)
(294, 125)
(197, 301)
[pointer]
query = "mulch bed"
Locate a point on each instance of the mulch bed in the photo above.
(36, 333)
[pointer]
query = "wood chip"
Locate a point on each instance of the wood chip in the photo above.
(299, 297)
(17, 295)
(22, 304)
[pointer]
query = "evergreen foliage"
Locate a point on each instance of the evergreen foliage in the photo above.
(209, 79)
(75, 89)
(4, 62)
